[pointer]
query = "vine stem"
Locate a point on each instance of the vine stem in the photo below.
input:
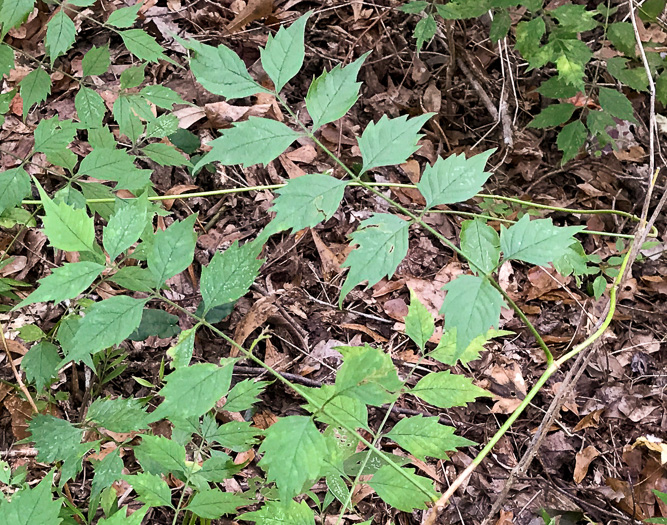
(432, 514)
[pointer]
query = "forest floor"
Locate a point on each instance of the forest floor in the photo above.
(592, 462)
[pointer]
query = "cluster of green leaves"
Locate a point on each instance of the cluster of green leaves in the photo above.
(554, 36)
(298, 450)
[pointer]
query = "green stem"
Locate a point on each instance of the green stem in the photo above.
(551, 368)
(293, 386)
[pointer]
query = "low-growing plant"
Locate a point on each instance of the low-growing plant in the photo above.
(570, 37)
(322, 443)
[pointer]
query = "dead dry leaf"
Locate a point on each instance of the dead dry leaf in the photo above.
(582, 461)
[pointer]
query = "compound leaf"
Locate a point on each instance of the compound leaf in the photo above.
(254, 141)
(333, 93)
(283, 55)
(536, 242)
(306, 201)
(229, 275)
(382, 244)
(454, 179)
(294, 453)
(390, 141)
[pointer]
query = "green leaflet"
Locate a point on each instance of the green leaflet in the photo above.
(419, 325)
(60, 35)
(34, 88)
(128, 121)
(181, 352)
(108, 470)
(553, 115)
(294, 453)
(118, 415)
(194, 390)
(53, 437)
(32, 505)
(125, 16)
(52, 135)
(151, 489)
(67, 228)
(13, 13)
(394, 490)
(161, 96)
(40, 364)
(424, 436)
(454, 179)
(283, 55)
(121, 517)
(133, 76)
(368, 374)
(306, 201)
(107, 323)
(331, 95)
(159, 455)
(173, 250)
(480, 244)
(340, 409)
(165, 155)
(65, 282)
(221, 71)
(6, 60)
(282, 513)
(570, 139)
(446, 390)
(126, 225)
(116, 165)
(96, 61)
(471, 307)
(143, 46)
(230, 274)
(213, 503)
(390, 141)
(244, 395)
(382, 244)
(536, 242)
(616, 103)
(254, 141)
(14, 186)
